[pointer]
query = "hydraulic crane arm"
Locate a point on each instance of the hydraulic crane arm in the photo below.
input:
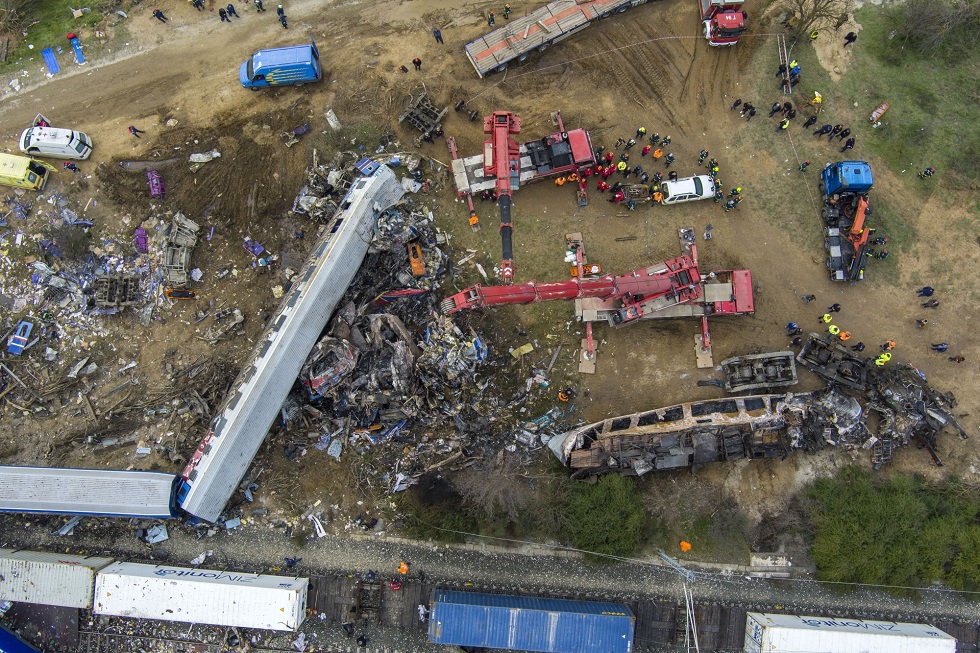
(676, 276)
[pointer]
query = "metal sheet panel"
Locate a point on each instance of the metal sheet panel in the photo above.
(267, 376)
(11, 643)
(202, 596)
(86, 492)
(48, 578)
(784, 633)
(530, 624)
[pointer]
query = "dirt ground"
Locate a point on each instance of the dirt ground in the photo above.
(178, 82)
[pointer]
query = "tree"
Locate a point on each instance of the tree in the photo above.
(13, 13)
(932, 26)
(807, 15)
(607, 517)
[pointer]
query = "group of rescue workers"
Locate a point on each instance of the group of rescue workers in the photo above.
(610, 162)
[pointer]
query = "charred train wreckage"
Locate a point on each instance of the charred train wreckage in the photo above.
(874, 409)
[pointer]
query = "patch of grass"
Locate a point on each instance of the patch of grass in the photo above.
(46, 24)
(901, 531)
(932, 119)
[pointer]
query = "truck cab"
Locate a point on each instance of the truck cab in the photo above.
(722, 21)
(296, 65)
(846, 178)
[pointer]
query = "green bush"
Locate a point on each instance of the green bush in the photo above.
(606, 518)
(901, 531)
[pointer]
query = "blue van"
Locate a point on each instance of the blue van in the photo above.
(296, 65)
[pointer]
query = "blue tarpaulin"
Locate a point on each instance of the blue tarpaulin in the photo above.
(76, 45)
(51, 61)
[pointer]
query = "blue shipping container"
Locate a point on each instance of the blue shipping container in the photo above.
(11, 643)
(527, 623)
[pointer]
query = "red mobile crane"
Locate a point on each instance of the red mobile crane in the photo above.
(674, 288)
(505, 165)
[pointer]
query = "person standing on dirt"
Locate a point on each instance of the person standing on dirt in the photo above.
(940, 347)
(835, 308)
(928, 172)
(836, 129)
(702, 155)
(826, 129)
(223, 15)
(859, 347)
(804, 165)
(735, 104)
(787, 107)
(783, 125)
(506, 12)
(888, 346)
(925, 291)
(198, 4)
(282, 20)
(669, 159)
(751, 114)
(258, 6)
(849, 145)
(782, 70)
(159, 16)
(844, 133)
(231, 11)
(776, 106)
(491, 18)
(417, 63)
(850, 38)
(135, 131)
(437, 35)
(809, 121)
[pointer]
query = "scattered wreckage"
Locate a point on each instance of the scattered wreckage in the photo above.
(864, 407)
(759, 371)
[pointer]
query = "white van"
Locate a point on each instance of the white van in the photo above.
(41, 139)
(688, 189)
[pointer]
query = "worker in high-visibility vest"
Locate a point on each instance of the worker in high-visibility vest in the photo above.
(834, 330)
(560, 181)
(573, 177)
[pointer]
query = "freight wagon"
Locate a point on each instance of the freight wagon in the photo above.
(787, 633)
(204, 596)
(48, 578)
(526, 623)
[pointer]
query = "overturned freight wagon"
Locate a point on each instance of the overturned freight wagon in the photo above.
(203, 596)
(48, 578)
(788, 633)
(526, 623)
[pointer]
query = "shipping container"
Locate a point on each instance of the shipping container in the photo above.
(48, 578)
(202, 596)
(11, 643)
(527, 623)
(787, 633)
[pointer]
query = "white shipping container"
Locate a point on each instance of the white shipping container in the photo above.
(787, 633)
(202, 596)
(48, 578)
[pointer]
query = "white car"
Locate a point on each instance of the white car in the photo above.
(688, 189)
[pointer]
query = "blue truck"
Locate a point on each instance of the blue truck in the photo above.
(844, 187)
(527, 623)
(295, 64)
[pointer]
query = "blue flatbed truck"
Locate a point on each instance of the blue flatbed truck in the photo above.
(844, 187)
(295, 64)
